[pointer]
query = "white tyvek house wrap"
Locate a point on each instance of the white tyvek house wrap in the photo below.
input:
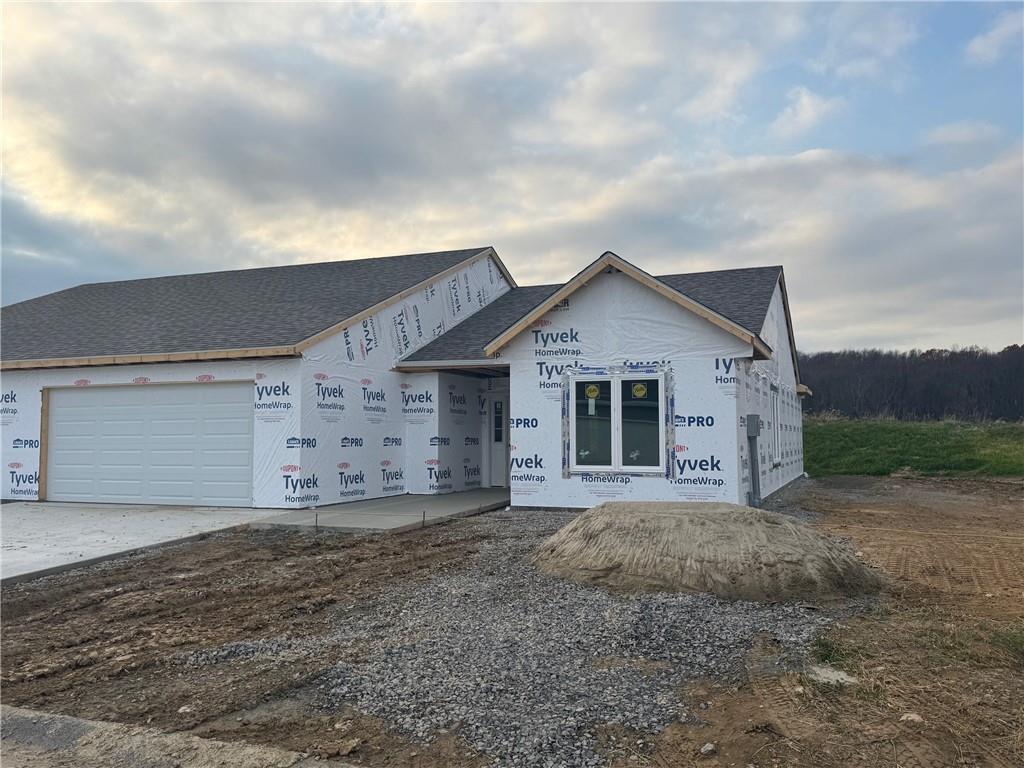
(328, 427)
(276, 403)
(777, 465)
(616, 321)
(368, 431)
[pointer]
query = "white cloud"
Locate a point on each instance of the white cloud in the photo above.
(146, 139)
(863, 40)
(964, 132)
(805, 110)
(989, 46)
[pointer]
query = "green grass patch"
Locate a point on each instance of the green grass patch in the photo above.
(1011, 641)
(828, 651)
(881, 447)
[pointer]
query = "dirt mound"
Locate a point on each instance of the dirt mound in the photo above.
(735, 552)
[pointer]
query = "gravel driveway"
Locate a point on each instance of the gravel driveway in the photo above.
(526, 667)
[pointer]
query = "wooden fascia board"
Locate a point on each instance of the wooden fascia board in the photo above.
(165, 357)
(443, 365)
(381, 305)
(610, 259)
(501, 266)
(802, 390)
(789, 327)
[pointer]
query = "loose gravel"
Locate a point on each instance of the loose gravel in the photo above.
(526, 667)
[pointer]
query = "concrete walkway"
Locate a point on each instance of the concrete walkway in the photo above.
(37, 536)
(393, 514)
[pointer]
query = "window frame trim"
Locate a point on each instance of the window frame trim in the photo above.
(616, 380)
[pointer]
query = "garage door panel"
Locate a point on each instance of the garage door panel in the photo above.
(161, 444)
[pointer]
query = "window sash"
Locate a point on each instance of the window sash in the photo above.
(615, 383)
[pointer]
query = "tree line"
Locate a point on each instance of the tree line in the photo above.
(971, 384)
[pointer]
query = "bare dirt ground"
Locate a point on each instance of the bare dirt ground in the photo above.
(98, 643)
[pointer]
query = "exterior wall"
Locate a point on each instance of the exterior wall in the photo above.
(276, 409)
(369, 431)
(615, 322)
(759, 381)
(336, 425)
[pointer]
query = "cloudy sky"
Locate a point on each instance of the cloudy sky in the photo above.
(873, 150)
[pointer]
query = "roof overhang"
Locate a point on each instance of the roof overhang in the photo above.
(789, 330)
(487, 366)
(609, 260)
(802, 390)
(293, 350)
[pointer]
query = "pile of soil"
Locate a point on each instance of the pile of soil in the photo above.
(732, 551)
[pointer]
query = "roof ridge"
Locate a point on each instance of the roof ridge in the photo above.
(272, 267)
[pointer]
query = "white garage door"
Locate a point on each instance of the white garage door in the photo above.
(151, 444)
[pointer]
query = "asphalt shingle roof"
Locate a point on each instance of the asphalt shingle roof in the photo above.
(741, 295)
(239, 309)
(466, 340)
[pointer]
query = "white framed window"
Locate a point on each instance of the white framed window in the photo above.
(617, 423)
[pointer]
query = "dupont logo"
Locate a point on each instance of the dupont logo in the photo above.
(385, 462)
(204, 377)
(365, 382)
(320, 376)
(344, 465)
(300, 442)
(24, 442)
(432, 462)
(15, 465)
(351, 442)
(260, 376)
(392, 442)
(290, 468)
(82, 382)
(542, 323)
(141, 380)
(437, 440)
(453, 387)
(471, 441)
(405, 385)
(681, 448)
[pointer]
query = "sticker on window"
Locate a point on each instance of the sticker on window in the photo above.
(639, 391)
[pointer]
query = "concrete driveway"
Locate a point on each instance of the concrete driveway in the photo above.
(37, 537)
(40, 535)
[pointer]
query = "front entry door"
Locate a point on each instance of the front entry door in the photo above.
(499, 440)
